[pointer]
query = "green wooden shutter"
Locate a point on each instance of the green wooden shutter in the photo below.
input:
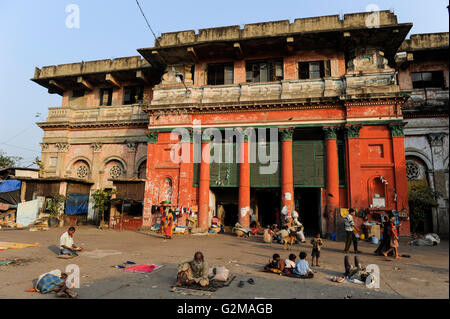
(225, 174)
(259, 180)
(308, 163)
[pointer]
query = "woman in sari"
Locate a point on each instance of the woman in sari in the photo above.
(168, 227)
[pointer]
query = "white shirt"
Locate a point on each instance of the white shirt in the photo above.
(289, 263)
(65, 240)
(349, 223)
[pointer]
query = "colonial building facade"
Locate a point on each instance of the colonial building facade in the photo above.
(423, 74)
(327, 87)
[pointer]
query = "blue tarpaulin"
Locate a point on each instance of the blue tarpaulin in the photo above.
(10, 185)
(77, 204)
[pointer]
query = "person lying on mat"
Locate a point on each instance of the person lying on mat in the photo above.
(67, 247)
(276, 264)
(302, 266)
(354, 273)
(193, 271)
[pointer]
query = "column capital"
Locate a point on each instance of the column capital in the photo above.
(152, 137)
(330, 132)
(436, 139)
(206, 138)
(352, 131)
(97, 147)
(62, 147)
(286, 134)
(397, 129)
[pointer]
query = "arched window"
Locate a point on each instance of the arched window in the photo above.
(167, 195)
(142, 171)
(377, 191)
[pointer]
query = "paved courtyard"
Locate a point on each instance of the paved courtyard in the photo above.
(424, 275)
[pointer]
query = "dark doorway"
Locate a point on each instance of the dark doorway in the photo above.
(231, 214)
(228, 198)
(307, 203)
(268, 201)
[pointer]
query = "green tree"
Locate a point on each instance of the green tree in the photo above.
(55, 204)
(102, 199)
(8, 161)
(421, 199)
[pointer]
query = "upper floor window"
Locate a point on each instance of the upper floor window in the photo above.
(78, 93)
(432, 79)
(264, 70)
(133, 94)
(106, 96)
(314, 70)
(222, 73)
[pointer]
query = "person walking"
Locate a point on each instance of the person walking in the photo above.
(350, 231)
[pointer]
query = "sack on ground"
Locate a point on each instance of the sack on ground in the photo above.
(222, 274)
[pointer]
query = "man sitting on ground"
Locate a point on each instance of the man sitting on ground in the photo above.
(282, 234)
(67, 247)
(193, 271)
(276, 264)
(302, 266)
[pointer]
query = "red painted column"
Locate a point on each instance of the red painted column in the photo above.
(152, 138)
(186, 172)
(354, 166)
(332, 177)
(244, 185)
(401, 181)
(203, 206)
(287, 172)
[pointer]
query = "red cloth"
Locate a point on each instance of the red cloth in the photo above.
(142, 268)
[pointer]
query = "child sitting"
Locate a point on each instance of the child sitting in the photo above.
(275, 264)
(289, 264)
(302, 267)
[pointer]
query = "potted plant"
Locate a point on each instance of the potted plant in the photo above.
(55, 206)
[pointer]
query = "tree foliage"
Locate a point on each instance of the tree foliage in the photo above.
(102, 198)
(421, 199)
(8, 161)
(55, 204)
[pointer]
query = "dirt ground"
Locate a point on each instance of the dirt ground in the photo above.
(424, 275)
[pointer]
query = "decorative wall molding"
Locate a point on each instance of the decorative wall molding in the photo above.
(436, 139)
(62, 147)
(132, 147)
(97, 147)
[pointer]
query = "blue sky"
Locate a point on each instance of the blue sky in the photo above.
(33, 33)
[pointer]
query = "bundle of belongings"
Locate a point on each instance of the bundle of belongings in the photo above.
(54, 281)
(428, 240)
(241, 231)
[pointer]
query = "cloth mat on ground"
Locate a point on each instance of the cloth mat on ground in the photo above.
(8, 245)
(286, 275)
(143, 268)
(212, 287)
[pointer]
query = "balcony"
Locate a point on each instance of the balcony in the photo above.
(317, 89)
(95, 115)
(428, 97)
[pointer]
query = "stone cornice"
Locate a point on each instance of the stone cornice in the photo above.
(273, 105)
(70, 125)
